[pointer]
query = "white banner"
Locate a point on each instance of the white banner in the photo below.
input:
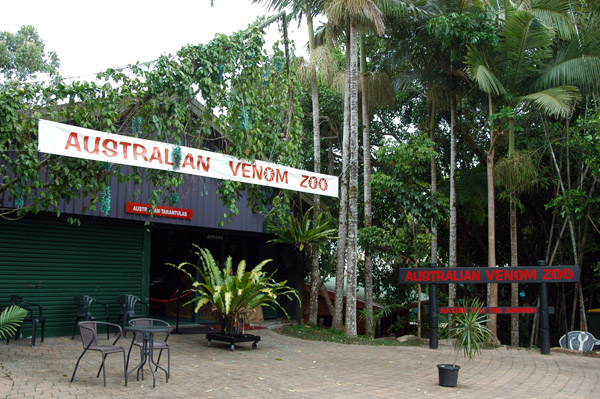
(72, 141)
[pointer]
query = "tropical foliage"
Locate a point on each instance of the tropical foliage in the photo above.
(494, 121)
(10, 319)
(470, 331)
(244, 91)
(232, 294)
(302, 232)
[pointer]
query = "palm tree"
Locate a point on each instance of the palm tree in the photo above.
(526, 69)
(452, 24)
(377, 90)
(310, 9)
(349, 13)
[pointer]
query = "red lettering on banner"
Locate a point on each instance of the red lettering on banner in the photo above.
(96, 149)
(156, 155)
(323, 184)
(167, 157)
(188, 160)
(139, 151)
(246, 170)
(234, 171)
(73, 140)
(205, 166)
(109, 152)
(303, 182)
(257, 172)
(283, 177)
(125, 145)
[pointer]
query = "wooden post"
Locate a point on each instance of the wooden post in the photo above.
(544, 323)
(433, 313)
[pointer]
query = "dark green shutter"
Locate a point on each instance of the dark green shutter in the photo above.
(47, 260)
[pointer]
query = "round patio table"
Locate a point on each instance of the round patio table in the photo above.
(148, 349)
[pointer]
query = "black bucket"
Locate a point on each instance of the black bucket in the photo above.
(448, 374)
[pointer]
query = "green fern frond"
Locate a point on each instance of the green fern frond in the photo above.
(10, 319)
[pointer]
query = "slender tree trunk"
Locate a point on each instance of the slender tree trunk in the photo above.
(578, 294)
(492, 288)
(368, 215)
(338, 321)
(452, 262)
(514, 260)
(350, 327)
(434, 188)
(315, 274)
(327, 299)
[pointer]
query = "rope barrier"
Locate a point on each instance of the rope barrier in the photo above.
(171, 299)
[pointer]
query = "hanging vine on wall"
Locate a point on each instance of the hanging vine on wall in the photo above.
(105, 201)
(159, 101)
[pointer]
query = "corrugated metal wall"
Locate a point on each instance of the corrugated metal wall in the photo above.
(47, 260)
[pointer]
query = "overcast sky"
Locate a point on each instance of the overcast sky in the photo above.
(91, 36)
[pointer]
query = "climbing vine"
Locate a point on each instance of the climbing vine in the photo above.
(230, 95)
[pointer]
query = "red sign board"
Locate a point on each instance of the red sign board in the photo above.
(164, 211)
(521, 274)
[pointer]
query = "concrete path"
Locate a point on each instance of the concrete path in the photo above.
(283, 367)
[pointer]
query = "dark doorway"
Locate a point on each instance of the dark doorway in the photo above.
(168, 285)
(176, 246)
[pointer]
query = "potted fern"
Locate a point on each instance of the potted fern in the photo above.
(470, 333)
(233, 294)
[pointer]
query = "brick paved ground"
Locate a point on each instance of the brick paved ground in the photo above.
(284, 367)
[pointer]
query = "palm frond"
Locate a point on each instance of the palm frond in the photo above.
(301, 232)
(479, 71)
(554, 14)
(557, 101)
(582, 71)
(10, 319)
(525, 37)
(340, 11)
(400, 8)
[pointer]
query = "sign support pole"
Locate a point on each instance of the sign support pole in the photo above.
(544, 322)
(433, 313)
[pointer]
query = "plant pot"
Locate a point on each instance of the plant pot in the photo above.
(448, 374)
(230, 327)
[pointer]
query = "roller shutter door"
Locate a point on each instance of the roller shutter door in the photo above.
(47, 260)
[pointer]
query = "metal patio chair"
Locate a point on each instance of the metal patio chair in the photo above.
(84, 311)
(32, 317)
(89, 338)
(160, 345)
(127, 309)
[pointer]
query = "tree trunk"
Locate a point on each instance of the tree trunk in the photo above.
(452, 262)
(368, 215)
(315, 274)
(350, 327)
(514, 260)
(338, 322)
(327, 299)
(492, 288)
(434, 189)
